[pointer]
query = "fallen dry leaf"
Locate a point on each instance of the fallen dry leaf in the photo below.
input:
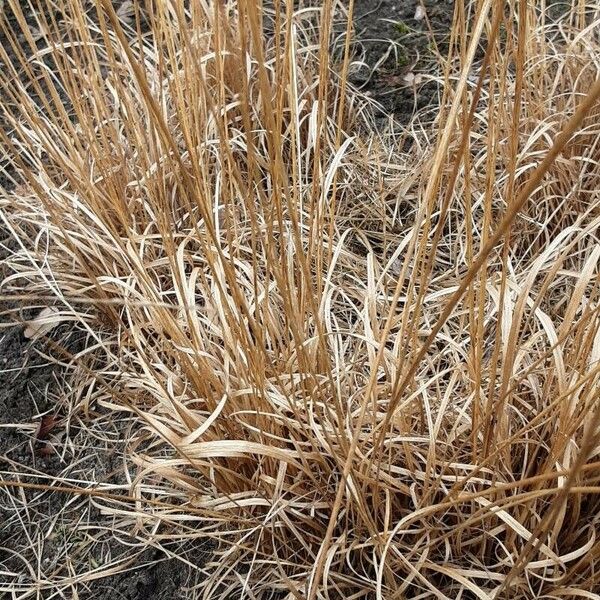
(47, 319)
(126, 11)
(412, 78)
(46, 450)
(47, 424)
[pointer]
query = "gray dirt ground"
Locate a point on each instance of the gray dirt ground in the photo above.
(30, 385)
(388, 28)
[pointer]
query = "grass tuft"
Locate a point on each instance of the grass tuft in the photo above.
(362, 371)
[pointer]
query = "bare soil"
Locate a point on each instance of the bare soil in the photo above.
(400, 46)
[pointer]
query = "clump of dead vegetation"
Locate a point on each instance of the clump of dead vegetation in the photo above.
(361, 370)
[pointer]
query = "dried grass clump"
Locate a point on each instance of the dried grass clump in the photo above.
(362, 372)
